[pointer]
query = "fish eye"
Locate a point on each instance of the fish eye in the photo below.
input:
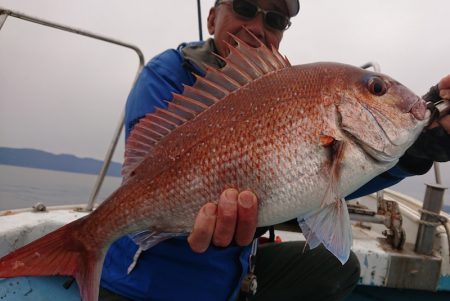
(377, 86)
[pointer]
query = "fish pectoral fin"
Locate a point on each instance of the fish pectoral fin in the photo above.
(331, 196)
(331, 226)
(311, 238)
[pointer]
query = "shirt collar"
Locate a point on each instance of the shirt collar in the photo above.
(199, 54)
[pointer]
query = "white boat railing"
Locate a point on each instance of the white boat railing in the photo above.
(5, 13)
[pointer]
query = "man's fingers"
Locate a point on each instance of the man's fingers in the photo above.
(444, 87)
(444, 94)
(227, 213)
(234, 217)
(445, 123)
(202, 233)
(444, 83)
(247, 218)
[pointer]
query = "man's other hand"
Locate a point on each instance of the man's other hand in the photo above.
(444, 92)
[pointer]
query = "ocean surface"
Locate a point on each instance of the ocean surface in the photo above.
(22, 187)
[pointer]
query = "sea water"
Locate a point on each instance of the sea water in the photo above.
(22, 187)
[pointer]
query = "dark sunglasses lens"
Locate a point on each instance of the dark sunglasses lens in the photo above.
(245, 9)
(276, 20)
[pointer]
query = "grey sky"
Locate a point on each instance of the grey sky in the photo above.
(64, 94)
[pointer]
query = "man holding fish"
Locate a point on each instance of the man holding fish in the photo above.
(213, 261)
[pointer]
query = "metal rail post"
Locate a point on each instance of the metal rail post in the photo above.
(432, 206)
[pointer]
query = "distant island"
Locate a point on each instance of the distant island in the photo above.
(26, 157)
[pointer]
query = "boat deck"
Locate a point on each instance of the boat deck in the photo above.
(382, 266)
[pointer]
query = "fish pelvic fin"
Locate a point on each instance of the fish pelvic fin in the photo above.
(58, 253)
(243, 65)
(330, 226)
(147, 239)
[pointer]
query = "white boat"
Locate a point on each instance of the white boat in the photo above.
(384, 266)
(402, 243)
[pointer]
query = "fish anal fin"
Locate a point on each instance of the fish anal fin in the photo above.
(331, 226)
(147, 239)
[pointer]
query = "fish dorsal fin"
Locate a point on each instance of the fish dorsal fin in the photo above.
(243, 65)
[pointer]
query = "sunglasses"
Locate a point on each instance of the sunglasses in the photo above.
(273, 19)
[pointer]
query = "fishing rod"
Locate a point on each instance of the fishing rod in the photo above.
(443, 107)
(199, 14)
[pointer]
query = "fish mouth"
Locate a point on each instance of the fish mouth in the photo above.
(410, 103)
(418, 109)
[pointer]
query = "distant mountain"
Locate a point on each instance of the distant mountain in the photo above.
(26, 157)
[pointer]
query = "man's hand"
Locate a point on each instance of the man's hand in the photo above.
(444, 93)
(433, 144)
(444, 87)
(233, 218)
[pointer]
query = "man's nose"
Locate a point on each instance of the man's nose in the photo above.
(256, 26)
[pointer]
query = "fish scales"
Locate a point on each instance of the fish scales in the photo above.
(235, 149)
(244, 142)
(300, 137)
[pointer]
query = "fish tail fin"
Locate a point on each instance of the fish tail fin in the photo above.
(58, 253)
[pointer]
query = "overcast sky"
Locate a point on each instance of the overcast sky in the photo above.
(64, 94)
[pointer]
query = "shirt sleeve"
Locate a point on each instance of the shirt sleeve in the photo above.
(385, 180)
(161, 77)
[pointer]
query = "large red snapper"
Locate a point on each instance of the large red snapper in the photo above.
(302, 137)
